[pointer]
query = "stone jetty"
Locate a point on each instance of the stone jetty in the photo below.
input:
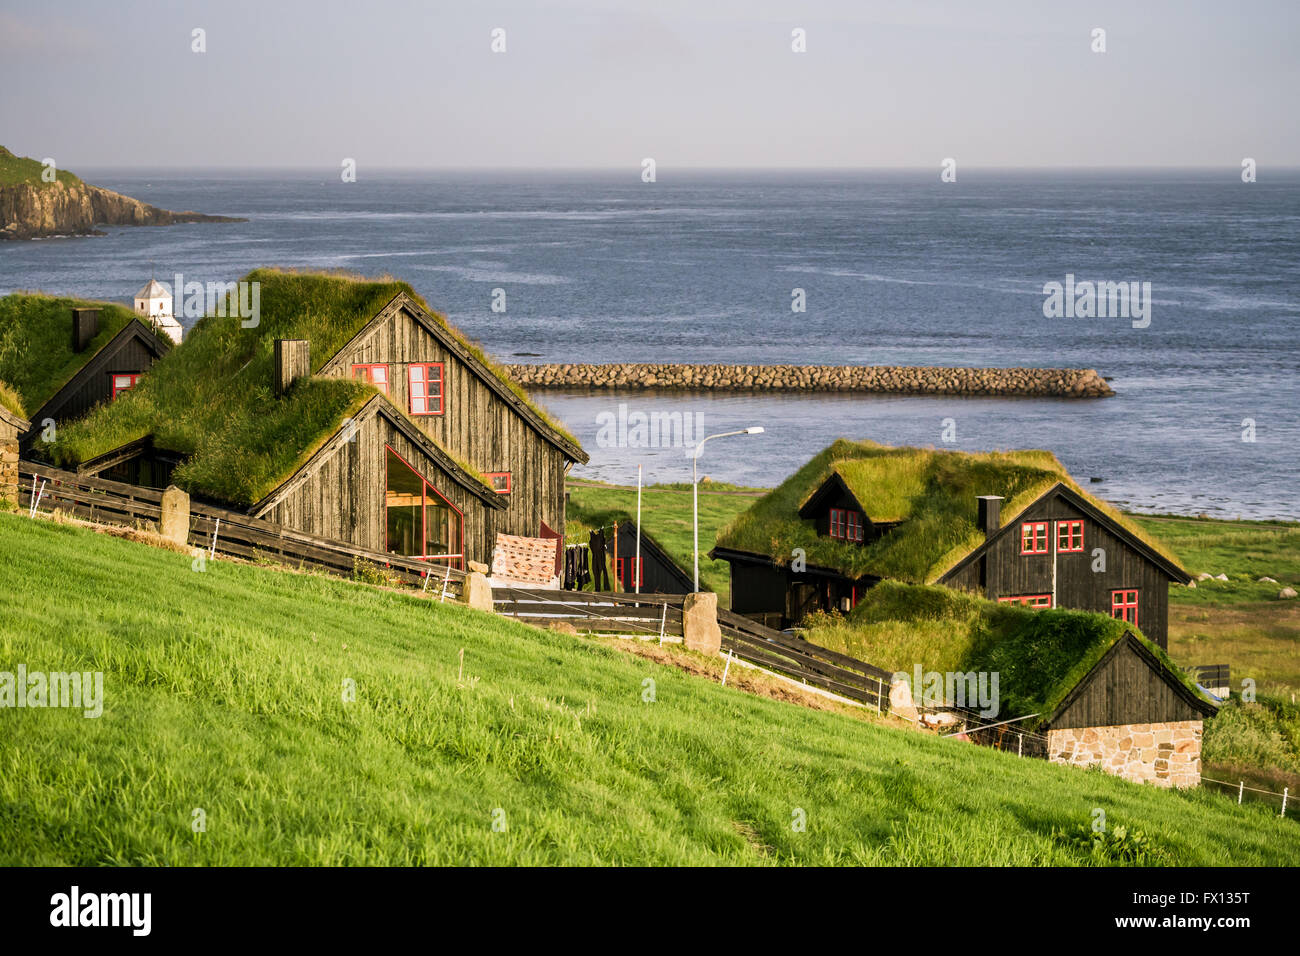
(885, 379)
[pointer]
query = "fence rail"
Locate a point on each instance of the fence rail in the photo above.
(219, 530)
(594, 612)
(811, 664)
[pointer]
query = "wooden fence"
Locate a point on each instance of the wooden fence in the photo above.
(809, 663)
(222, 531)
(594, 612)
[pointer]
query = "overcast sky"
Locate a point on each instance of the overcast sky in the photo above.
(604, 83)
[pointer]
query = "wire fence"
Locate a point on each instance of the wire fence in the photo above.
(1241, 790)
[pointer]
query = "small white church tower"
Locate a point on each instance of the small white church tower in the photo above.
(154, 304)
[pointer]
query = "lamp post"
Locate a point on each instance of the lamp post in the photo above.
(695, 487)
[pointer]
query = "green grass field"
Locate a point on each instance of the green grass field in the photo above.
(20, 170)
(224, 693)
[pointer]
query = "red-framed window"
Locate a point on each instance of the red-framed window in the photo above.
(376, 375)
(123, 381)
(640, 569)
(1033, 537)
(1124, 605)
(1069, 536)
(418, 521)
(425, 381)
(846, 525)
(1037, 601)
(499, 480)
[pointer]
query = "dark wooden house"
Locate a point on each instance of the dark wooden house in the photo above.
(107, 352)
(656, 569)
(866, 512)
(1132, 715)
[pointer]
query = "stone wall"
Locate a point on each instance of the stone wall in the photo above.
(1165, 754)
(8, 463)
(1062, 382)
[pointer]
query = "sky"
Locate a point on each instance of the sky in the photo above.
(690, 83)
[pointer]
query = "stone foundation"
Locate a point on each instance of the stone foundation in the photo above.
(8, 465)
(889, 379)
(1166, 754)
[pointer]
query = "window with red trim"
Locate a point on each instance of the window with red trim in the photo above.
(846, 525)
(123, 381)
(1124, 605)
(419, 521)
(1033, 537)
(499, 480)
(1036, 601)
(376, 375)
(640, 569)
(425, 381)
(1069, 536)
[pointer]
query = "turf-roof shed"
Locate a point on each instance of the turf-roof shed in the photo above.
(37, 359)
(211, 400)
(930, 493)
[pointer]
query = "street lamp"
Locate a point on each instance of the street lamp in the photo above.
(695, 487)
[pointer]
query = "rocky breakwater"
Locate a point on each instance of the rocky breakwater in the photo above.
(888, 379)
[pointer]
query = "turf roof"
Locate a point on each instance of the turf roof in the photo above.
(211, 399)
(931, 492)
(36, 357)
(1039, 655)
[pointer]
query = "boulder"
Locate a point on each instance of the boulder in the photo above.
(174, 515)
(1266, 580)
(700, 630)
(1220, 577)
(478, 593)
(1286, 594)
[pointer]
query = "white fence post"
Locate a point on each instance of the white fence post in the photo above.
(1241, 791)
(726, 668)
(663, 618)
(1020, 745)
(445, 578)
(1285, 790)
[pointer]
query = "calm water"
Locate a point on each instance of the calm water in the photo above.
(897, 269)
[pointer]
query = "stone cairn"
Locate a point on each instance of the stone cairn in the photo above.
(889, 379)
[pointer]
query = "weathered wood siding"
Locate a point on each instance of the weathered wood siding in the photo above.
(343, 494)
(1004, 572)
(475, 426)
(661, 575)
(1123, 689)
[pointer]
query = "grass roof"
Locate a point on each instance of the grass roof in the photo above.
(10, 399)
(1039, 655)
(211, 399)
(931, 492)
(36, 357)
(20, 171)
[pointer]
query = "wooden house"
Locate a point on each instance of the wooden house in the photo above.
(1011, 526)
(350, 411)
(658, 573)
(64, 357)
(1132, 714)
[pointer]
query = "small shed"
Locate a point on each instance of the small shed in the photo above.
(658, 572)
(1132, 715)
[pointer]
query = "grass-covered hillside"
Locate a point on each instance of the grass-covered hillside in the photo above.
(36, 357)
(224, 693)
(22, 171)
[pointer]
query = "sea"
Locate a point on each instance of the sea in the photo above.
(895, 267)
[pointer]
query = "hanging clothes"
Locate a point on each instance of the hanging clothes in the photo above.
(598, 568)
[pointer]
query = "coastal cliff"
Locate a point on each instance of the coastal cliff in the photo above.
(31, 208)
(889, 379)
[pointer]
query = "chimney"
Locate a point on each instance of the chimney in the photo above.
(85, 326)
(989, 515)
(292, 362)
